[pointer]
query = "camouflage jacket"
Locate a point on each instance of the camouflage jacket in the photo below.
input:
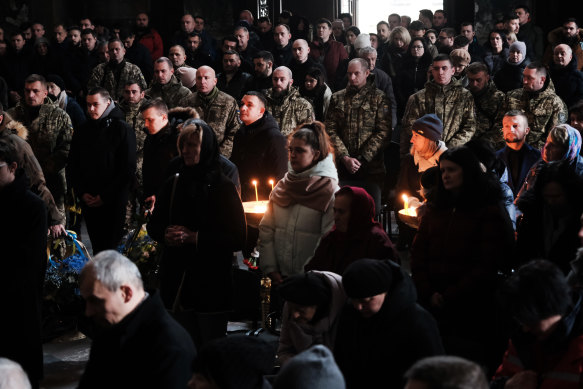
(452, 103)
(15, 133)
(134, 118)
(221, 113)
(289, 111)
(172, 93)
(49, 135)
(103, 76)
(543, 109)
(359, 124)
(489, 106)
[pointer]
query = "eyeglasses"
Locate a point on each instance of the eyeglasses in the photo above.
(417, 47)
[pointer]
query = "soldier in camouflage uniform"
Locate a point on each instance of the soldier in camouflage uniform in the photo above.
(50, 133)
(165, 85)
(114, 74)
(216, 108)
(448, 99)
(133, 98)
(489, 102)
(359, 125)
(537, 98)
(285, 103)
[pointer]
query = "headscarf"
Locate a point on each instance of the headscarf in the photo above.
(573, 145)
(209, 151)
(362, 209)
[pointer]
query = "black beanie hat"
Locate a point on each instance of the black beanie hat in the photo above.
(306, 289)
(57, 80)
(367, 278)
(236, 362)
(430, 126)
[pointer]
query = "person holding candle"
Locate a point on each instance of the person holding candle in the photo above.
(426, 148)
(300, 207)
(199, 221)
(464, 238)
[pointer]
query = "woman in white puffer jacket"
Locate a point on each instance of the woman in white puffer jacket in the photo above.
(300, 207)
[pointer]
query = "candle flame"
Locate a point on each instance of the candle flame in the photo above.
(406, 201)
(254, 182)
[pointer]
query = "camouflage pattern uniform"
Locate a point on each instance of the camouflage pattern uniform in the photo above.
(359, 125)
(289, 110)
(172, 93)
(15, 133)
(221, 112)
(489, 106)
(103, 76)
(452, 103)
(50, 139)
(134, 118)
(544, 110)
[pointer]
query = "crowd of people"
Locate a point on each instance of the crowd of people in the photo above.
(327, 123)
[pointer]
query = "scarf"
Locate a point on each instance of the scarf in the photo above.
(307, 189)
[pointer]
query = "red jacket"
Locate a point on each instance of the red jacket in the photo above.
(332, 52)
(153, 42)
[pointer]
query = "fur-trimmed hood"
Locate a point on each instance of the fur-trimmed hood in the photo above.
(182, 113)
(17, 128)
(555, 36)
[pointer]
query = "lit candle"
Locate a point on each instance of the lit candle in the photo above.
(271, 182)
(406, 201)
(254, 182)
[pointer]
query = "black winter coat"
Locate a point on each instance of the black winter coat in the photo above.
(102, 160)
(568, 82)
(259, 151)
(509, 76)
(376, 352)
(211, 206)
(23, 238)
(147, 349)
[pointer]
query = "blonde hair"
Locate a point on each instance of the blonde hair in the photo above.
(190, 129)
(402, 33)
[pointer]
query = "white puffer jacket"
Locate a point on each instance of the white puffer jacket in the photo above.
(288, 236)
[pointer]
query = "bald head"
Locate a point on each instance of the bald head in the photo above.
(205, 80)
(562, 55)
(300, 50)
(282, 80)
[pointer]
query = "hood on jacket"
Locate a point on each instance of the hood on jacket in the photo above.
(12, 125)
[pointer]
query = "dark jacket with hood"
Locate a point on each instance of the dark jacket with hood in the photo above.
(568, 82)
(259, 151)
(376, 352)
(102, 160)
(204, 201)
(365, 238)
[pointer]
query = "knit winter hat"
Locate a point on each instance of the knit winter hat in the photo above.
(430, 126)
(367, 278)
(187, 76)
(236, 362)
(519, 46)
(363, 40)
(305, 289)
(313, 368)
(460, 57)
(57, 80)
